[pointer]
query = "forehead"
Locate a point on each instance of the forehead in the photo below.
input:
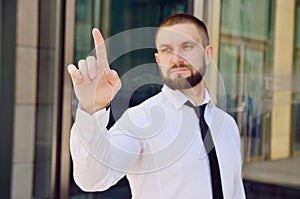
(178, 33)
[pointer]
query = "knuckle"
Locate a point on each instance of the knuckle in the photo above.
(91, 59)
(114, 74)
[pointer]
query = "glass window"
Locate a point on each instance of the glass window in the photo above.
(229, 66)
(45, 103)
(114, 17)
(246, 18)
(245, 51)
(296, 95)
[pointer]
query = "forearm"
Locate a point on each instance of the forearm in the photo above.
(89, 173)
(97, 156)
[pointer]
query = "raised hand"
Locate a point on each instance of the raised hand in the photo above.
(95, 84)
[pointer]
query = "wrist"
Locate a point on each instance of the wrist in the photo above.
(92, 109)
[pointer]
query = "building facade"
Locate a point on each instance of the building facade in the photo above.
(256, 54)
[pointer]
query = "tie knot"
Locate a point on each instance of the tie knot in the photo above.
(198, 109)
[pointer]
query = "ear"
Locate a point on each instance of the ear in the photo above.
(209, 51)
(208, 54)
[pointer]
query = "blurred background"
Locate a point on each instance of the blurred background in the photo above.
(256, 49)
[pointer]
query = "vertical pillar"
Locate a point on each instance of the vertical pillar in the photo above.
(283, 68)
(25, 99)
(210, 13)
(198, 9)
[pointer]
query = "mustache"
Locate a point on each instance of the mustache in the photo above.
(181, 66)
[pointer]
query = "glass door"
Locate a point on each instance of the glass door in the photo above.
(242, 69)
(245, 45)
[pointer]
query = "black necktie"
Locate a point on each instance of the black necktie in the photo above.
(212, 155)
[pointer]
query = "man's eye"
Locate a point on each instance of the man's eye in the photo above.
(165, 50)
(187, 47)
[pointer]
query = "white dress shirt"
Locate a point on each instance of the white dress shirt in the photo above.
(158, 146)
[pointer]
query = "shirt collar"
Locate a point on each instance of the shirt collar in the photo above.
(178, 98)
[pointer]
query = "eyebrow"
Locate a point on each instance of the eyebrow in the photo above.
(163, 45)
(189, 42)
(183, 43)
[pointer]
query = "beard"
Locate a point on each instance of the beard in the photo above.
(181, 83)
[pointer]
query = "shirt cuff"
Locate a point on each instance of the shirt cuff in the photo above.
(88, 124)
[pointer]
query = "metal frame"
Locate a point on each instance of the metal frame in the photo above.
(66, 118)
(60, 168)
(56, 135)
(8, 10)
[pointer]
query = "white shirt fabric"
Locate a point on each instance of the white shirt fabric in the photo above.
(158, 146)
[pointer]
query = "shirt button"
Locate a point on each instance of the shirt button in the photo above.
(209, 104)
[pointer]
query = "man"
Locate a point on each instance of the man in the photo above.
(159, 144)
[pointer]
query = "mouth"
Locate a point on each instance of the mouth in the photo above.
(180, 70)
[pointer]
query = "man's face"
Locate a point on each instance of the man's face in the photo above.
(180, 56)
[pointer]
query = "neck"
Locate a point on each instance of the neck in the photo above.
(196, 93)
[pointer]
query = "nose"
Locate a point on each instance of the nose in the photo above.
(177, 58)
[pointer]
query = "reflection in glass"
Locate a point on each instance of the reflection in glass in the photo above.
(296, 94)
(245, 51)
(113, 17)
(45, 104)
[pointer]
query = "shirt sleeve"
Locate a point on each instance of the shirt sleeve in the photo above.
(100, 158)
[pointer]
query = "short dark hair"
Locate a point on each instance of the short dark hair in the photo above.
(183, 18)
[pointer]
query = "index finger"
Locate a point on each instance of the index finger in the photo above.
(100, 46)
